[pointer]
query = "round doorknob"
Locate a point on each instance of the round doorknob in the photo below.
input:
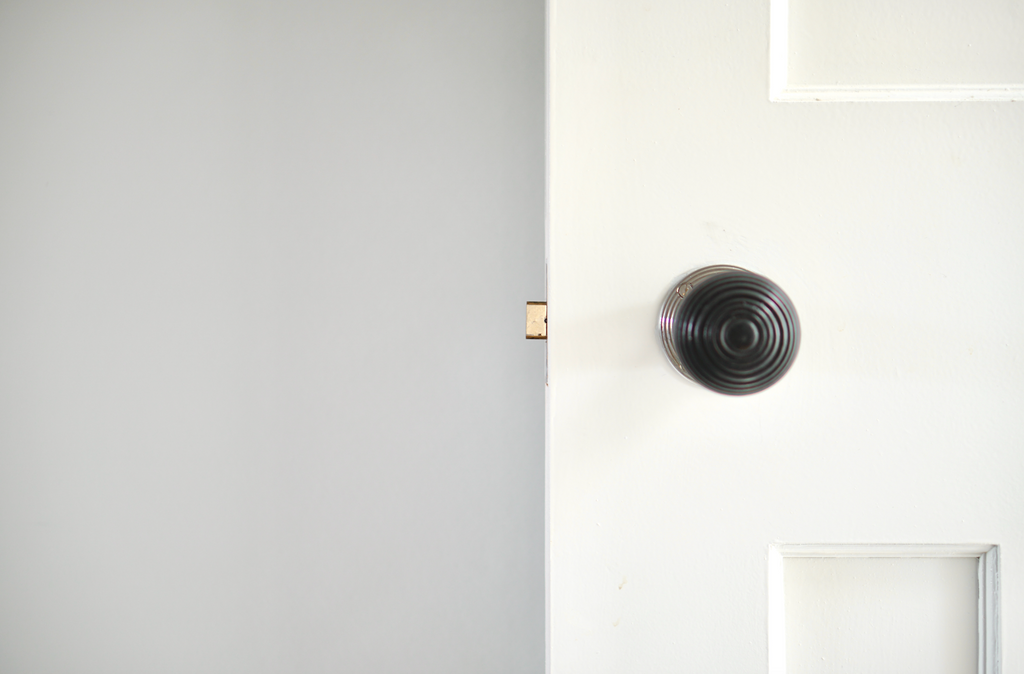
(729, 329)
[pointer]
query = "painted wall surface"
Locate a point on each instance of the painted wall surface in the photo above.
(265, 401)
(896, 229)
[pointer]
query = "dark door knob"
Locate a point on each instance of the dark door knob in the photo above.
(729, 329)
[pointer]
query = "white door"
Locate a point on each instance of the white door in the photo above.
(896, 226)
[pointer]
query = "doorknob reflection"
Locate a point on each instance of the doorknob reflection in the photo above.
(729, 329)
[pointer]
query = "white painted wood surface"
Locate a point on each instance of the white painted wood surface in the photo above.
(877, 614)
(906, 608)
(896, 228)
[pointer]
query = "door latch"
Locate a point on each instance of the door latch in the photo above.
(536, 320)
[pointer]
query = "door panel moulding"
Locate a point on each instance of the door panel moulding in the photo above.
(988, 586)
(906, 93)
(781, 90)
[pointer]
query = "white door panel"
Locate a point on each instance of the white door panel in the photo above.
(896, 229)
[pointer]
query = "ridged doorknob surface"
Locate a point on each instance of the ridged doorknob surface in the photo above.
(729, 329)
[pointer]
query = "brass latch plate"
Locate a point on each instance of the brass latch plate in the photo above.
(536, 320)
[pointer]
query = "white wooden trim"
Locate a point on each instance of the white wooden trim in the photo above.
(904, 92)
(883, 550)
(989, 627)
(549, 67)
(776, 613)
(778, 48)
(779, 90)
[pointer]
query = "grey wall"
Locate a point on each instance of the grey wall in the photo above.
(265, 401)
